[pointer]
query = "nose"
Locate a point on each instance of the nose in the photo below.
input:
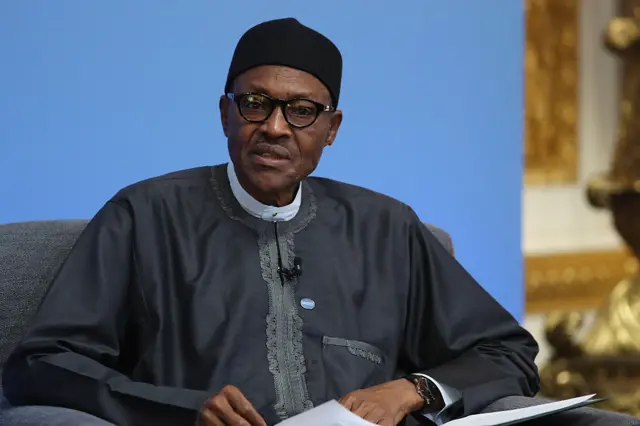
(276, 125)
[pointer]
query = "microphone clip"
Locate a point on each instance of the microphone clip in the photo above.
(293, 272)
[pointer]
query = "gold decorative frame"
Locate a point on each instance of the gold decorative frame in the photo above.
(551, 91)
(574, 280)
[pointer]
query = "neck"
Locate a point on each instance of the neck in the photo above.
(277, 198)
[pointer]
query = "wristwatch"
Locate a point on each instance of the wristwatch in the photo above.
(433, 401)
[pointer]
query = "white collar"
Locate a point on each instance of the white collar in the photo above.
(256, 208)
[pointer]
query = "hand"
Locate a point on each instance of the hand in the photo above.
(386, 404)
(229, 407)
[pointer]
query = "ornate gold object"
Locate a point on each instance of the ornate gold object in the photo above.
(574, 280)
(604, 357)
(551, 91)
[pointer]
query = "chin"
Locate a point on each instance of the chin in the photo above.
(269, 179)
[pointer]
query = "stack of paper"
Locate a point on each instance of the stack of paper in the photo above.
(334, 414)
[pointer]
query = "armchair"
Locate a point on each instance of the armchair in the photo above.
(31, 253)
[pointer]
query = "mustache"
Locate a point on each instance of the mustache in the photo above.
(272, 148)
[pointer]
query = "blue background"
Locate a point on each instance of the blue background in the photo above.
(96, 95)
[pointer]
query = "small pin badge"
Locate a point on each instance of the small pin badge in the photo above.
(307, 303)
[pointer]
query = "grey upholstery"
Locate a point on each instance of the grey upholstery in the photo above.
(30, 254)
(442, 236)
(46, 416)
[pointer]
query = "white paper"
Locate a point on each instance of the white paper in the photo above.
(330, 413)
(333, 414)
(522, 414)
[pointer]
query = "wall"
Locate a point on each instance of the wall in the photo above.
(558, 218)
(101, 94)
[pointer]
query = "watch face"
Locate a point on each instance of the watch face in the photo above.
(433, 401)
(424, 390)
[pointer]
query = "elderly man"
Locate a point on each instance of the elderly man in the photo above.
(246, 293)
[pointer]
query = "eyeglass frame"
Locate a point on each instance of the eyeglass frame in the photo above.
(282, 103)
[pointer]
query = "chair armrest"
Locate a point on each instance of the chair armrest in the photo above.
(34, 415)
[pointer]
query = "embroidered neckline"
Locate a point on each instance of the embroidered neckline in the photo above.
(285, 353)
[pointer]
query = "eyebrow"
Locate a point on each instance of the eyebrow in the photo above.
(261, 89)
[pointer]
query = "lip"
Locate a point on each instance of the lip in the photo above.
(268, 161)
(270, 155)
(269, 151)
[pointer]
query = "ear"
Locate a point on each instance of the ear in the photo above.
(224, 114)
(336, 120)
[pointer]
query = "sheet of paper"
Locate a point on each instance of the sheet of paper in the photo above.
(519, 415)
(328, 414)
(333, 414)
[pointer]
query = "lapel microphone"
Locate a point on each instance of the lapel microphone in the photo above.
(294, 271)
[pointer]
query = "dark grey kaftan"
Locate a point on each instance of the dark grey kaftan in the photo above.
(173, 291)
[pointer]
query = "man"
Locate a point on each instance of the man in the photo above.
(246, 293)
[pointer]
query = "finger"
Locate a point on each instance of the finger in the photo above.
(207, 418)
(374, 416)
(356, 404)
(224, 411)
(363, 409)
(396, 420)
(350, 402)
(346, 402)
(244, 408)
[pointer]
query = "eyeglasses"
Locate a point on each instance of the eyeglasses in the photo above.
(257, 108)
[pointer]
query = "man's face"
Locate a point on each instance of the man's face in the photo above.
(272, 156)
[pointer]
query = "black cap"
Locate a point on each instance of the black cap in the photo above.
(289, 43)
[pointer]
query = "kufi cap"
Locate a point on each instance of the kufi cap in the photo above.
(288, 43)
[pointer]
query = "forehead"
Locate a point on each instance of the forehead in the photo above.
(282, 82)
